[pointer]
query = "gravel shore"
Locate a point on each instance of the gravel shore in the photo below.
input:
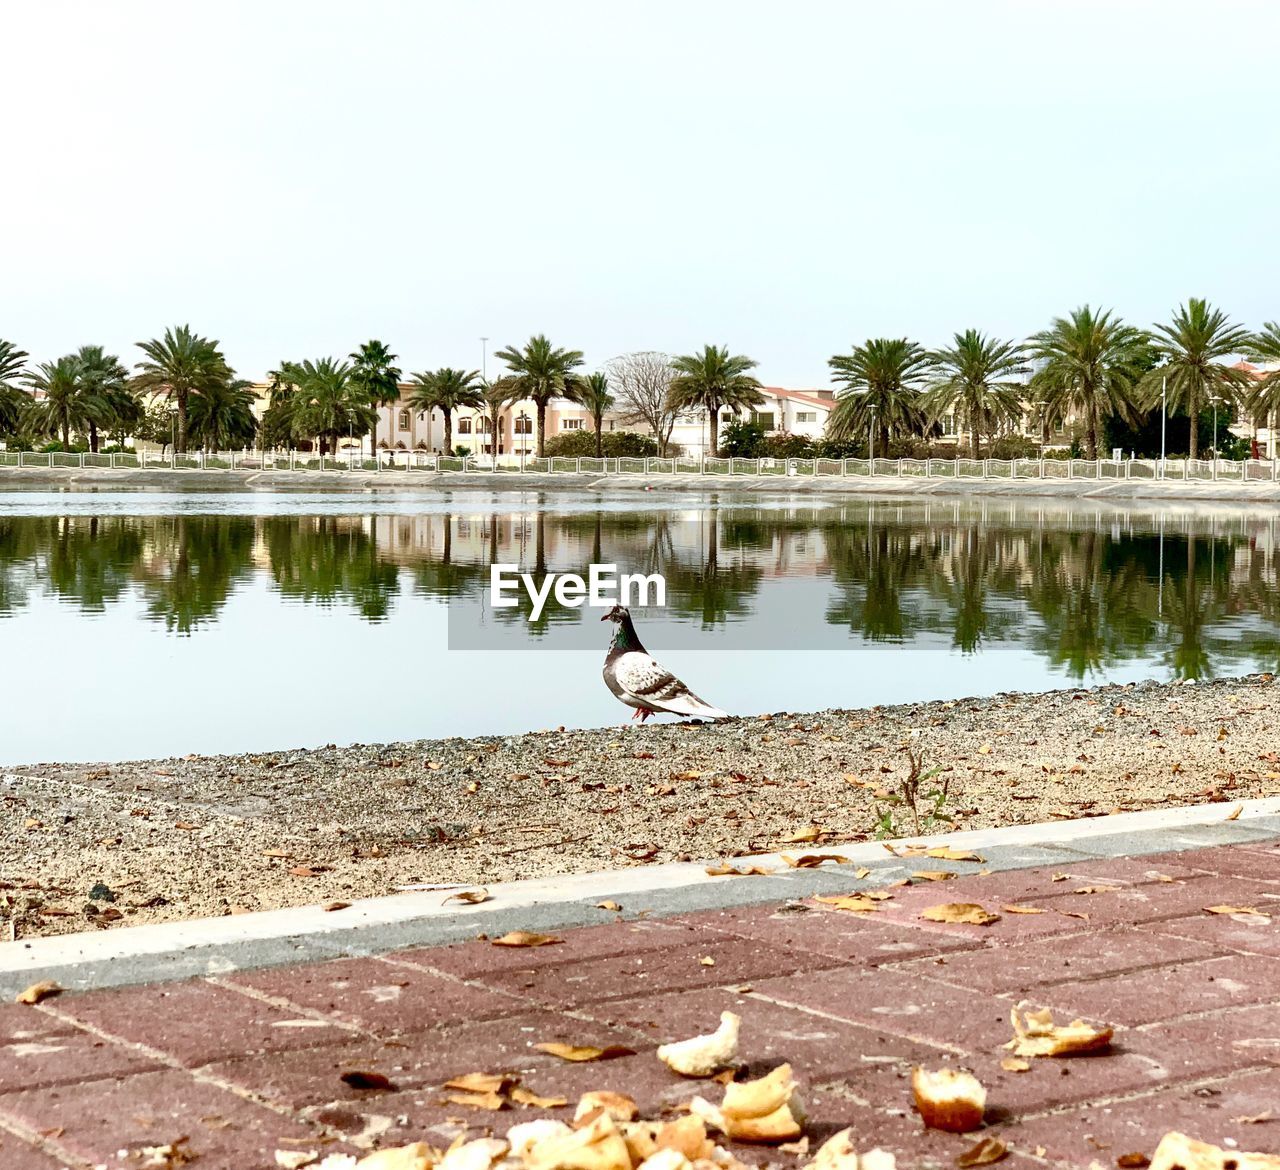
(146, 841)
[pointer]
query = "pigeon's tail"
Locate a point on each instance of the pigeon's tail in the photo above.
(689, 704)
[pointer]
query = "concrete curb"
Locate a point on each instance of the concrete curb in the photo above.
(590, 484)
(212, 946)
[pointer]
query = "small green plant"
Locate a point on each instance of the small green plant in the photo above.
(914, 797)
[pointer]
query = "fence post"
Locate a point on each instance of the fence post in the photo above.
(81, 460)
(1071, 467)
(986, 468)
(899, 466)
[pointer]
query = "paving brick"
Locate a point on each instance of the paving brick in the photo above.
(198, 1022)
(65, 1057)
(382, 997)
(1104, 1132)
(1150, 903)
(421, 1061)
(18, 1022)
(470, 960)
(1224, 932)
(1218, 1042)
(107, 1122)
(812, 927)
(15, 1154)
(1038, 962)
(1164, 993)
(818, 1048)
(1142, 843)
(672, 969)
(1259, 862)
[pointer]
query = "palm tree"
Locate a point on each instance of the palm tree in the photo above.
(377, 379)
(446, 390)
(13, 400)
(881, 387)
(327, 403)
(497, 396)
(594, 395)
(541, 372)
(177, 365)
(64, 401)
(1091, 361)
(712, 380)
(222, 418)
(107, 382)
(1264, 396)
(1192, 348)
(971, 378)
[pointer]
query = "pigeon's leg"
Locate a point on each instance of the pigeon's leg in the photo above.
(635, 714)
(644, 714)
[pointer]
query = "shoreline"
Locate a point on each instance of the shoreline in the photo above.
(89, 479)
(88, 846)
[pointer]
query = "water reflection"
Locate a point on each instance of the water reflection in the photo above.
(1083, 590)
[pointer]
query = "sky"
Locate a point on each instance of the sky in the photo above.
(294, 177)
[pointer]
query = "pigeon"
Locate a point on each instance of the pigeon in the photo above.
(640, 682)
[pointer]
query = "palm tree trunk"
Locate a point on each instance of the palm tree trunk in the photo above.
(66, 434)
(1193, 409)
(713, 425)
(448, 433)
(93, 436)
(180, 445)
(599, 437)
(542, 428)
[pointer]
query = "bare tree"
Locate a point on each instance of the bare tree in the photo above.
(641, 383)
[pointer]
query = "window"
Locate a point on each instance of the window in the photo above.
(806, 416)
(522, 425)
(464, 426)
(404, 420)
(485, 425)
(571, 424)
(763, 419)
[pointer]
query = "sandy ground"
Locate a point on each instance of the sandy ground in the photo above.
(145, 841)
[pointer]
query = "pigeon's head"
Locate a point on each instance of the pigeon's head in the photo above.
(616, 614)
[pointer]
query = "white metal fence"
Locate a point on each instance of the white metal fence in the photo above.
(1250, 470)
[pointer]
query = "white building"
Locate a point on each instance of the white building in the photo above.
(792, 412)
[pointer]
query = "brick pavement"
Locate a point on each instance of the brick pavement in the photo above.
(249, 1062)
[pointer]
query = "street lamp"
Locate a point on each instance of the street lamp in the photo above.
(1215, 399)
(1164, 416)
(484, 355)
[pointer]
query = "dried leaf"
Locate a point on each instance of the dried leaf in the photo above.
(933, 875)
(813, 860)
(1015, 909)
(469, 897)
(37, 992)
(526, 938)
(481, 1082)
(579, 1053)
(307, 871)
(186, 826)
(987, 1151)
(337, 906)
(1239, 912)
(530, 1100)
(984, 750)
(806, 836)
(862, 872)
(1014, 1065)
(707, 961)
(726, 870)
(854, 903)
(491, 1101)
(1254, 1118)
(948, 853)
(1096, 890)
(364, 1079)
(1234, 814)
(276, 853)
(614, 906)
(1135, 1161)
(967, 913)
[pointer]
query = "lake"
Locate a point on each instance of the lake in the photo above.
(140, 624)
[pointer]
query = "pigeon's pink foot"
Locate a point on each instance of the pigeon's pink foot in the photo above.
(644, 714)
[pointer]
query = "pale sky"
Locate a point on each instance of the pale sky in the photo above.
(296, 176)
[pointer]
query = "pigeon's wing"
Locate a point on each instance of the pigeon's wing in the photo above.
(653, 684)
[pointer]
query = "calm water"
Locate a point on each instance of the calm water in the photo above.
(139, 624)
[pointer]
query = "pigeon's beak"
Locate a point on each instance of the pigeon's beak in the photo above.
(606, 617)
